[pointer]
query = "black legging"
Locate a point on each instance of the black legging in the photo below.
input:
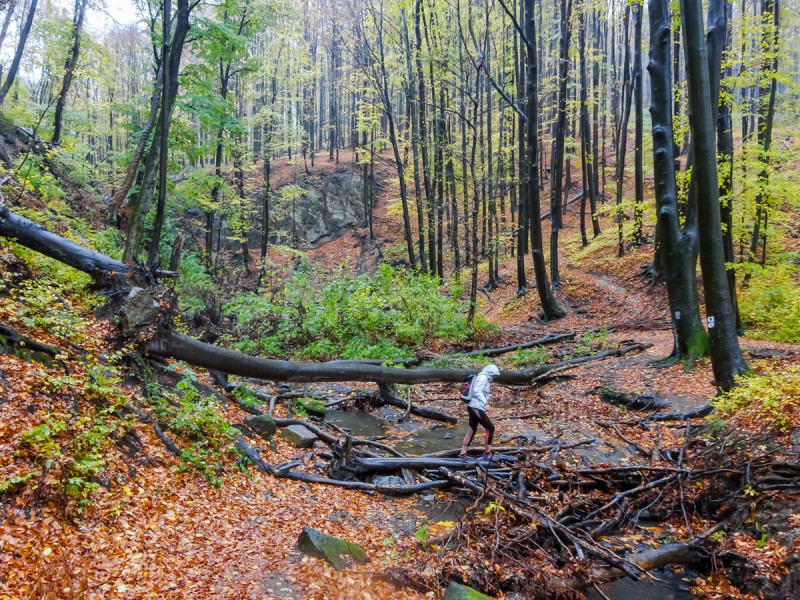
(478, 416)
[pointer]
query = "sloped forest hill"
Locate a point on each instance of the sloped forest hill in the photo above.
(127, 475)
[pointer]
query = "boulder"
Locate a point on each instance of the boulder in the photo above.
(139, 308)
(388, 480)
(457, 591)
(339, 553)
(263, 425)
(298, 435)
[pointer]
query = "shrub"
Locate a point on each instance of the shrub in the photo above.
(772, 399)
(770, 302)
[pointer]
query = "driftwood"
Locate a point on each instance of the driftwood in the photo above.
(38, 238)
(389, 398)
(631, 400)
(550, 338)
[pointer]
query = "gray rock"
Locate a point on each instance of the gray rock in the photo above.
(456, 591)
(336, 551)
(298, 435)
(139, 308)
(263, 425)
(447, 436)
(429, 498)
(388, 480)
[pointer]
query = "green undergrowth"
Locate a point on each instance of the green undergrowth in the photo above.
(769, 301)
(391, 314)
(771, 398)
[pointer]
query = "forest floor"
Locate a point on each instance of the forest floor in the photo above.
(155, 532)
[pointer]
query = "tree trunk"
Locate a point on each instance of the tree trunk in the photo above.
(145, 197)
(550, 308)
(639, 127)
(622, 132)
(69, 68)
(38, 238)
(690, 338)
(23, 38)
(556, 191)
(726, 357)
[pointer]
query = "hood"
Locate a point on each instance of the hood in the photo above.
(491, 372)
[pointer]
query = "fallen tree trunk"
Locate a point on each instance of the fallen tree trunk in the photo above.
(550, 338)
(14, 343)
(181, 347)
(38, 238)
(389, 398)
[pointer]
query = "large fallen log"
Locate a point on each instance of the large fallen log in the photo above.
(174, 345)
(38, 238)
(181, 347)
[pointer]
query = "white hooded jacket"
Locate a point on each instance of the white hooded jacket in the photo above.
(480, 387)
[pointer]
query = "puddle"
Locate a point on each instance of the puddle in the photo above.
(672, 587)
(358, 422)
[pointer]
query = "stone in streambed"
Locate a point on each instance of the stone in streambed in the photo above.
(298, 435)
(263, 425)
(456, 591)
(388, 480)
(336, 551)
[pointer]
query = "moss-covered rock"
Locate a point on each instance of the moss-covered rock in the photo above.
(337, 552)
(263, 425)
(309, 406)
(457, 591)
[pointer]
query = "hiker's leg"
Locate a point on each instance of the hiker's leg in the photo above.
(473, 426)
(488, 427)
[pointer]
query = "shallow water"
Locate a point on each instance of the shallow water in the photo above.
(357, 422)
(425, 441)
(672, 587)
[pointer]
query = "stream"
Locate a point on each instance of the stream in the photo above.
(414, 441)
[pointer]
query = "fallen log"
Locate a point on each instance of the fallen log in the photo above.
(550, 338)
(181, 347)
(388, 398)
(38, 238)
(370, 466)
(391, 490)
(14, 343)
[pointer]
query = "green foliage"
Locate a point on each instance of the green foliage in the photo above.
(195, 286)
(591, 343)
(246, 396)
(771, 399)
(386, 315)
(529, 357)
(196, 418)
(770, 302)
(13, 483)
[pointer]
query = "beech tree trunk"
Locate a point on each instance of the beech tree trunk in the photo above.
(23, 38)
(69, 68)
(726, 357)
(560, 134)
(691, 341)
(550, 308)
